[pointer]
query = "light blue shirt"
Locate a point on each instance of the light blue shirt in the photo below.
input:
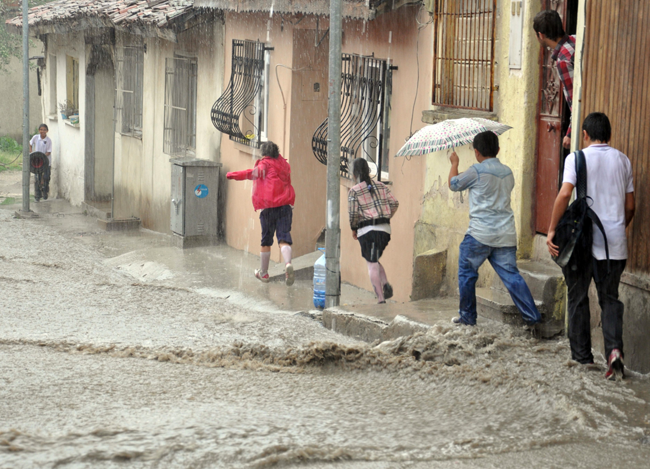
(491, 221)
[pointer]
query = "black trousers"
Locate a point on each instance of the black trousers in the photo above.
(578, 278)
(42, 184)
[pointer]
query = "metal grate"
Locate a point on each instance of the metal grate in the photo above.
(464, 53)
(365, 103)
(239, 110)
(180, 106)
(130, 76)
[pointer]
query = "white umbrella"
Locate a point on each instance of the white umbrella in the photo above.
(448, 134)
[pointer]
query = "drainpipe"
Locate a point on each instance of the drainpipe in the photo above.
(333, 232)
(25, 107)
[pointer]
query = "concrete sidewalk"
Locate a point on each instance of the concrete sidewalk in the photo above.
(148, 257)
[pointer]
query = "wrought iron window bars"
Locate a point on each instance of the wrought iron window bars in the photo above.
(129, 92)
(242, 103)
(366, 87)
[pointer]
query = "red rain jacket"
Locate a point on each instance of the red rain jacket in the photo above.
(271, 182)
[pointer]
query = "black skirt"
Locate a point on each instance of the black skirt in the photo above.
(373, 244)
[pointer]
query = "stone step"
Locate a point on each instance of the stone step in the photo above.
(498, 305)
(303, 267)
(103, 211)
(545, 281)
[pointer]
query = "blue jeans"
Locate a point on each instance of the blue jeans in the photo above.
(504, 262)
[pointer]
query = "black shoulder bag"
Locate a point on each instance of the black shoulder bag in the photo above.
(574, 231)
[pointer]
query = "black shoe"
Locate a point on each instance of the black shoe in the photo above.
(388, 291)
(44, 197)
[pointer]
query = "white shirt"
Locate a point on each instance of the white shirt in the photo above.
(385, 227)
(44, 145)
(609, 178)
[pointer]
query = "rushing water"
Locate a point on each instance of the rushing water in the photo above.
(107, 361)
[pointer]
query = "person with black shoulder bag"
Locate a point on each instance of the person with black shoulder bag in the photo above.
(588, 239)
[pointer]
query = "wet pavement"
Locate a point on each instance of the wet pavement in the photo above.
(118, 350)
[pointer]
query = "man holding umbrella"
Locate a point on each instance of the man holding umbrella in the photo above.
(491, 235)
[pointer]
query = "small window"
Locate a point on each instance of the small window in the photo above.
(242, 109)
(72, 82)
(180, 106)
(463, 74)
(53, 107)
(130, 76)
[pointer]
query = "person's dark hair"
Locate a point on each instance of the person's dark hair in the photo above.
(361, 171)
(549, 23)
(270, 149)
(487, 144)
(43, 125)
(598, 127)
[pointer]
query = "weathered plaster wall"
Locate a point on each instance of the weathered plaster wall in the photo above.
(11, 90)
(393, 36)
(445, 215)
(143, 170)
(241, 226)
(67, 141)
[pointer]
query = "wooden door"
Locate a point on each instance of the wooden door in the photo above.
(548, 153)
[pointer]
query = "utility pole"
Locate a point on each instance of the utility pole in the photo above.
(25, 107)
(333, 232)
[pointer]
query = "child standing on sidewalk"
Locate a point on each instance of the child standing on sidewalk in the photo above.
(491, 235)
(273, 194)
(371, 205)
(41, 142)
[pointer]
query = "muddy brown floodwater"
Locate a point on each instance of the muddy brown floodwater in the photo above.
(102, 368)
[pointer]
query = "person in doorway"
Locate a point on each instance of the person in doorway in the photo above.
(491, 235)
(550, 33)
(41, 142)
(371, 205)
(611, 190)
(273, 194)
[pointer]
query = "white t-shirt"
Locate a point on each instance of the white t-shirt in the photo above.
(609, 178)
(43, 145)
(385, 227)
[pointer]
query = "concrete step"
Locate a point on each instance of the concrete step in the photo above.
(545, 281)
(498, 305)
(303, 267)
(103, 211)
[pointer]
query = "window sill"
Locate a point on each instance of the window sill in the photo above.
(440, 114)
(137, 135)
(67, 122)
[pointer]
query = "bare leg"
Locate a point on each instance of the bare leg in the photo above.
(375, 279)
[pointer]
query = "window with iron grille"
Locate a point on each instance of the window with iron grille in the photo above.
(463, 75)
(242, 110)
(366, 87)
(179, 137)
(130, 76)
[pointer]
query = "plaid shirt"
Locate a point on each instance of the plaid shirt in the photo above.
(364, 205)
(563, 57)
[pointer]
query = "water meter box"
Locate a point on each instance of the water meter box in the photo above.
(194, 198)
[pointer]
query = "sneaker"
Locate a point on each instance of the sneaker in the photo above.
(388, 291)
(264, 278)
(616, 369)
(289, 275)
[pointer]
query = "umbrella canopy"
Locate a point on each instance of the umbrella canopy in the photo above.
(448, 134)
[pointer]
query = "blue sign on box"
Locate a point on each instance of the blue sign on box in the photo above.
(201, 191)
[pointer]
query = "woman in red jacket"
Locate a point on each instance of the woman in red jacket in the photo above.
(273, 194)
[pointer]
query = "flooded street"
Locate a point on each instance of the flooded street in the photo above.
(120, 351)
